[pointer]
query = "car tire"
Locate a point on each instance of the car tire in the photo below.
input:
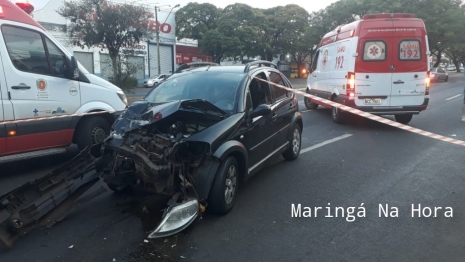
(295, 140)
(223, 192)
(404, 119)
(337, 115)
(92, 130)
(447, 79)
(309, 105)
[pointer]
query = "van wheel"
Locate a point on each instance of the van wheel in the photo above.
(92, 130)
(404, 119)
(295, 142)
(223, 192)
(309, 105)
(337, 115)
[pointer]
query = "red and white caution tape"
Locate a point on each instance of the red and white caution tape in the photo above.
(55, 117)
(371, 116)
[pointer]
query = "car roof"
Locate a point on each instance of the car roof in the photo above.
(229, 68)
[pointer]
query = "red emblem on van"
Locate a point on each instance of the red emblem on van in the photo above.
(41, 85)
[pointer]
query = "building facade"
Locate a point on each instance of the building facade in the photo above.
(143, 56)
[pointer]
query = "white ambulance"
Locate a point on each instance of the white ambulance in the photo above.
(40, 78)
(379, 64)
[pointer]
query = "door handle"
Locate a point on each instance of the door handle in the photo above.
(21, 87)
(398, 82)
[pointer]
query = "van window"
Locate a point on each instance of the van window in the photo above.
(410, 50)
(57, 57)
(315, 60)
(26, 50)
(279, 93)
(374, 50)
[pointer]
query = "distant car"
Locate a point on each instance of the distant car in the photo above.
(154, 80)
(451, 68)
(439, 74)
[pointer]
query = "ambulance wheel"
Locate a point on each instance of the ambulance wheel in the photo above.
(337, 115)
(92, 130)
(404, 119)
(309, 105)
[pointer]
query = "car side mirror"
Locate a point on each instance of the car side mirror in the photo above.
(261, 110)
(73, 69)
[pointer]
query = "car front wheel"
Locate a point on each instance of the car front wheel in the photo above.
(404, 119)
(223, 192)
(293, 152)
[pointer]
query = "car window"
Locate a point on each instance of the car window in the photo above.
(26, 50)
(315, 61)
(278, 92)
(220, 89)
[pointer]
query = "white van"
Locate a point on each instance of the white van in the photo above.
(379, 64)
(40, 78)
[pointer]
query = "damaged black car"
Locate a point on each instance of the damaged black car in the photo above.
(194, 138)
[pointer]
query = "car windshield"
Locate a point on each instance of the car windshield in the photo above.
(218, 88)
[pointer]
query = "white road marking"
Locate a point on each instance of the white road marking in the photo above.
(305, 111)
(450, 98)
(305, 150)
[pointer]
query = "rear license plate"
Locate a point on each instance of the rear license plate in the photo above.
(372, 101)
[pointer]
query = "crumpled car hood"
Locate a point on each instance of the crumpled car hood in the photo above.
(142, 113)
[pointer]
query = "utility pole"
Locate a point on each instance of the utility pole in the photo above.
(157, 25)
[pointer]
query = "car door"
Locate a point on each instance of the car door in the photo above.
(261, 134)
(281, 109)
(37, 87)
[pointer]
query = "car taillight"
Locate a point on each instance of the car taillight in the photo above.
(428, 81)
(350, 86)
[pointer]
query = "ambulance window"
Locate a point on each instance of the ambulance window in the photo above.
(57, 58)
(374, 51)
(315, 61)
(409, 50)
(26, 50)
(278, 92)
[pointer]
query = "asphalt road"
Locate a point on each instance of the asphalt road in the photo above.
(362, 162)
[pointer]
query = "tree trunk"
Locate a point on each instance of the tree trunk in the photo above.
(114, 65)
(299, 64)
(439, 57)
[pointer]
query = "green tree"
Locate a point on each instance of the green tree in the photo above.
(96, 23)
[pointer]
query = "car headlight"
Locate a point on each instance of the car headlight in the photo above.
(150, 82)
(123, 98)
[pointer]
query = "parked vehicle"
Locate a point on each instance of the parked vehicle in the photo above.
(40, 78)
(451, 68)
(439, 74)
(378, 64)
(154, 80)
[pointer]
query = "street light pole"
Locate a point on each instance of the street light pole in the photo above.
(157, 25)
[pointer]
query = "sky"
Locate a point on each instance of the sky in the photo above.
(309, 5)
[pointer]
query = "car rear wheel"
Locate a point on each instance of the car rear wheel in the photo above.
(404, 119)
(309, 105)
(295, 141)
(223, 192)
(447, 79)
(337, 115)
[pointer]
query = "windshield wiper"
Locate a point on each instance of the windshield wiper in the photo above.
(211, 112)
